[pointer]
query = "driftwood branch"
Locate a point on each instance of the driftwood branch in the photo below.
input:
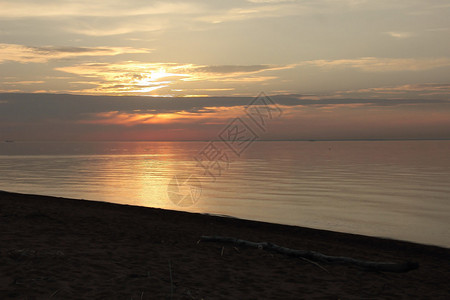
(319, 257)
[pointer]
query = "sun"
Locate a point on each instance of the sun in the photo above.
(155, 77)
(161, 73)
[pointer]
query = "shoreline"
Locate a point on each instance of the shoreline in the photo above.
(322, 230)
(94, 249)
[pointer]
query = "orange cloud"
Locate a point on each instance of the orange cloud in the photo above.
(135, 118)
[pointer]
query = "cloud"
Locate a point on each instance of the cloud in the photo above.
(214, 90)
(83, 107)
(107, 26)
(36, 107)
(257, 9)
(270, 1)
(42, 54)
(138, 118)
(439, 29)
(100, 18)
(115, 17)
(67, 117)
(128, 77)
(87, 8)
(422, 90)
(233, 68)
(375, 64)
(342, 101)
(23, 82)
(244, 79)
(118, 8)
(266, 10)
(424, 87)
(137, 78)
(105, 29)
(226, 73)
(399, 35)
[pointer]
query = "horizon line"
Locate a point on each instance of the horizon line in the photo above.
(218, 140)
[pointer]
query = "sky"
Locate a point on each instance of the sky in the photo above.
(180, 70)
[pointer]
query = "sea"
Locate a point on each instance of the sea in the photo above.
(392, 189)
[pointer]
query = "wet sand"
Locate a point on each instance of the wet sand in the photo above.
(55, 248)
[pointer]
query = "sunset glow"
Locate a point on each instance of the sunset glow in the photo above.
(324, 62)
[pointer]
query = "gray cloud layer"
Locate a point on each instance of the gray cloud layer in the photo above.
(27, 107)
(79, 117)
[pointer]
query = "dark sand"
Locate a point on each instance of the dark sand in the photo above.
(54, 248)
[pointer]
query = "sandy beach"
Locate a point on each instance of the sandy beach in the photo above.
(55, 248)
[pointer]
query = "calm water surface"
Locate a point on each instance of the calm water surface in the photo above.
(395, 189)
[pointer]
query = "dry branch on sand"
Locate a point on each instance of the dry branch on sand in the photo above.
(318, 257)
